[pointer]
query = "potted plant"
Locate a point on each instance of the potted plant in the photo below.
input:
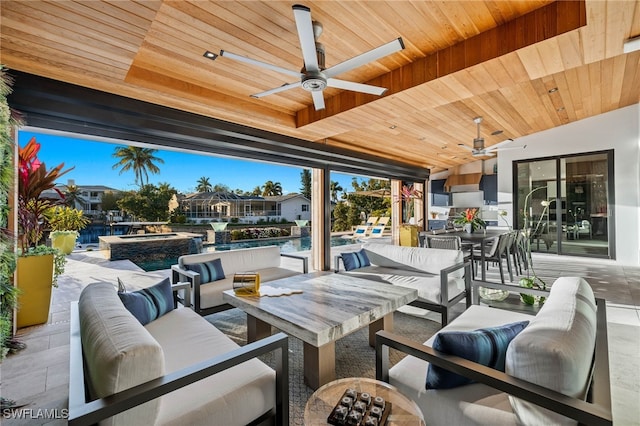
(38, 265)
(469, 220)
(65, 222)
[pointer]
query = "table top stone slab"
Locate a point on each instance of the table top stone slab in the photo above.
(330, 306)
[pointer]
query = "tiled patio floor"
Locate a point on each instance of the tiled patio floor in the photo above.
(38, 376)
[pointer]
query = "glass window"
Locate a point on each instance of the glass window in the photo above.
(565, 203)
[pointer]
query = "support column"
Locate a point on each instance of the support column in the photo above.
(396, 211)
(320, 219)
(419, 205)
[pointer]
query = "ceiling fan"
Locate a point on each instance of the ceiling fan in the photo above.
(314, 77)
(479, 150)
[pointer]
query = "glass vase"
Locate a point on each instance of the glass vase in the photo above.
(492, 294)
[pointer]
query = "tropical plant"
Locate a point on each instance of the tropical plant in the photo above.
(8, 292)
(150, 203)
(204, 185)
(470, 216)
(408, 194)
(139, 160)
(305, 180)
(334, 188)
(271, 188)
(220, 187)
(72, 196)
(33, 180)
(63, 218)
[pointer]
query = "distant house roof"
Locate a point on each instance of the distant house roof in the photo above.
(101, 188)
(281, 198)
(220, 196)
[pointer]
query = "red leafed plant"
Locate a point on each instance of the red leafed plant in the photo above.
(33, 180)
(470, 216)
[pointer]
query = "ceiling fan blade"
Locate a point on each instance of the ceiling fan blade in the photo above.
(506, 148)
(275, 68)
(302, 15)
(356, 87)
(277, 89)
(372, 55)
(318, 100)
(461, 145)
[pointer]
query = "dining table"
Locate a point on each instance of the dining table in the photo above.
(478, 237)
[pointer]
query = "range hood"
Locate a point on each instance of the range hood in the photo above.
(463, 183)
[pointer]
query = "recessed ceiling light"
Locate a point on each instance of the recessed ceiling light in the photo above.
(210, 55)
(393, 126)
(555, 89)
(560, 109)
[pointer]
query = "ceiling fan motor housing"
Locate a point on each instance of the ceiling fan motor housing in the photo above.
(478, 144)
(314, 82)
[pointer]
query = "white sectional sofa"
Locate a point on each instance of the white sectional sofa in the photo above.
(559, 362)
(441, 277)
(207, 297)
(176, 370)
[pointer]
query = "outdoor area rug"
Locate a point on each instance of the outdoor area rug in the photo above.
(354, 356)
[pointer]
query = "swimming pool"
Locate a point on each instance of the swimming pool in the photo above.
(287, 245)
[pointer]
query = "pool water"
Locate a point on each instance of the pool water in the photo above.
(287, 245)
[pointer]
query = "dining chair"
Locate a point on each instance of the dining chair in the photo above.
(451, 242)
(495, 252)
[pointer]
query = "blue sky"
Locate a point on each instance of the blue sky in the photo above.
(93, 165)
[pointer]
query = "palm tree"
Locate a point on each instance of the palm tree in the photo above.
(204, 185)
(256, 191)
(272, 188)
(140, 160)
(72, 197)
(334, 188)
(305, 179)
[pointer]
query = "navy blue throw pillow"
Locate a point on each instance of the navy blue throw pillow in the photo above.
(486, 346)
(355, 260)
(209, 271)
(149, 303)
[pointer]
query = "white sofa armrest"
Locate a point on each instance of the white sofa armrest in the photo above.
(186, 294)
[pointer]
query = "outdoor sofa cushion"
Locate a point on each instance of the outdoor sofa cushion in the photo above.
(121, 353)
(262, 260)
(556, 349)
(486, 346)
(413, 267)
(209, 271)
(541, 356)
(149, 303)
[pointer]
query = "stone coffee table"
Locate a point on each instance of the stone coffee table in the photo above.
(330, 306)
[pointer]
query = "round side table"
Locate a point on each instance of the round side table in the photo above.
(404, 412)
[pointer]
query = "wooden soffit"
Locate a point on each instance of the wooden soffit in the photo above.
(541, 24)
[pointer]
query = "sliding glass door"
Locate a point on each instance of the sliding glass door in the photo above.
(566, 203)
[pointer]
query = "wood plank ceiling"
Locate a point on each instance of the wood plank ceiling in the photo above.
(525, 66)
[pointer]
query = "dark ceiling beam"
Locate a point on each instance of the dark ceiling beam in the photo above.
(60, 106)
(541, 24)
